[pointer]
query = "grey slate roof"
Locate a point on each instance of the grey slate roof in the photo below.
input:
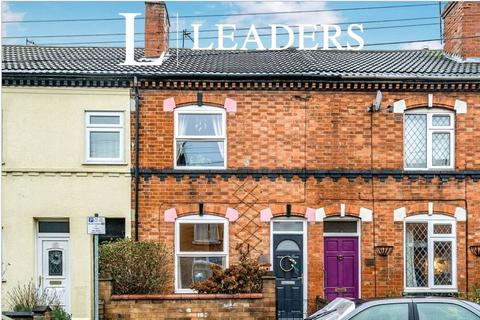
(416, 64)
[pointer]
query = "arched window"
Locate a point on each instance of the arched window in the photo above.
(429, 139)
(430, 253)
(200, 138)
(200, 241)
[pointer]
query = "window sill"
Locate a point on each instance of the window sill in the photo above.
(105, 163)
(429, 169)
(429, 290)
(199, 168)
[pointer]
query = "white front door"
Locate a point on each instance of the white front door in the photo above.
(53, 269)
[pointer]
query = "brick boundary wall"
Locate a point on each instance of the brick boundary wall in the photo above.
(188, 306)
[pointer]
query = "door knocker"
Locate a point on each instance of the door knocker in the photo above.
(292, 264)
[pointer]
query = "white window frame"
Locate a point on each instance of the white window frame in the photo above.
(120, 128)
(430, 112)
(194, 109)
(431, 220)
(196, 219)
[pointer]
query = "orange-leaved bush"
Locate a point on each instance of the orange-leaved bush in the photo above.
(244, 277)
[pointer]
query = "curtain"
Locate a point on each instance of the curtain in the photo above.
(206, 232)
(218, 128)
(182, 128)
(410, 258)
(201, 232)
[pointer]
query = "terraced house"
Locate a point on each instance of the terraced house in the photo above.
(354, 173)
(66, 157)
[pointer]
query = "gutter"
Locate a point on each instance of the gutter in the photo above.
(137, 150)
(185, 76)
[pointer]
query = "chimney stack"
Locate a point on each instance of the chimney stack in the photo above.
(462, 30)
(157, 26)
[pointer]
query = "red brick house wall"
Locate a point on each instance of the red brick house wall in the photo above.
(461, 29)
(289, 128)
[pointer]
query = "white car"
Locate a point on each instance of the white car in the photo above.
(408, 308)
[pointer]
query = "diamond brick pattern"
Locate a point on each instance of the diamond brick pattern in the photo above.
(442, 263)
(248, 223)
(415, 141)
(441, 149)
(416, 259)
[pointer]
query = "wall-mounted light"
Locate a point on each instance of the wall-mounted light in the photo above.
(289, 210)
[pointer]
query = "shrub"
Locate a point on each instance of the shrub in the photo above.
(136, 267)
(59, 314)
(473, 295)
(26, 297)
(244, 277)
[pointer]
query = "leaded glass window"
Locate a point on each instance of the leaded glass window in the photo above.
(441, 149)
(55, 263)
(417, 255)
(428, 139)
(442, 263)
(415, 140)
(430, 257)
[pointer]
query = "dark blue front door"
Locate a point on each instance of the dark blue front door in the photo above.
(288, 267)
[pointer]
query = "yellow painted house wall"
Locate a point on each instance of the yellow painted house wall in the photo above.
(45, 176)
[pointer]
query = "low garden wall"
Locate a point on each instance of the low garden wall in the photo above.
(189, 306)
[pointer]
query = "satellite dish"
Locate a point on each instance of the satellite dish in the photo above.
(378, 101)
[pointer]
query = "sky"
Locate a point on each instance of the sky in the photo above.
(424, 23)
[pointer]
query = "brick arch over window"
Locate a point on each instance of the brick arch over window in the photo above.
(207, 99)
(279, 210)
(422, 102)
(352, 210)
(424, 207)
(192, 209)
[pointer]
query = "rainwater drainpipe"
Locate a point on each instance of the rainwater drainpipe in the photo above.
(137, 149)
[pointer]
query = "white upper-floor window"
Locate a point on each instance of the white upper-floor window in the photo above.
(430, 253)
(104, 133)
(429, 139)
(200, 138)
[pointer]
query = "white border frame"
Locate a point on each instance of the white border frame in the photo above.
(358, 234)
(120, 128)
(192, 219)
(305, 251)
(430, 112)
(39, 251)
(195, 109)
(431, 220)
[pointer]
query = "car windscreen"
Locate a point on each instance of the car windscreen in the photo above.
(334, 310)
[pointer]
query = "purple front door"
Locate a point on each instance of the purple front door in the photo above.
(341, 267)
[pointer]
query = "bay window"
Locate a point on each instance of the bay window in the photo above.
(200, 138)
(429, 139)
(200, 242)
(430, 253)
